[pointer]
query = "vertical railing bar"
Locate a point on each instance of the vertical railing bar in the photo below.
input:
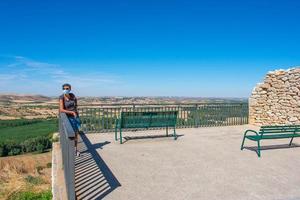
(105, 118)
(233, 115)
(102, 118)
(228, 120)
(93, 119)
(99, 120)
(88, 119)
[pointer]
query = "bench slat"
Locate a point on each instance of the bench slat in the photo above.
(148, 119)
(279, 131)
(282, 136)
(280, 126)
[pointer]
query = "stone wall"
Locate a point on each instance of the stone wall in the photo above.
(277, 99)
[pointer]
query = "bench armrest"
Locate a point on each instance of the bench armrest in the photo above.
(252, 131)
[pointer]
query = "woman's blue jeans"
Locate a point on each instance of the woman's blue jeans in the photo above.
(75, 122)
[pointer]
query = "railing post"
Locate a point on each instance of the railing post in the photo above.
(196, 117)
(241, 114)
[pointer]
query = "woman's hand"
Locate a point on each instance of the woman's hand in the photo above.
(74, 113)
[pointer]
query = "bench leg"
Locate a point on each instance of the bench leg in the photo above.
(291, 142)
(175, 136)
(258, 148)
(167, 131)
(120, 135)
(116, 134)
(242, 146)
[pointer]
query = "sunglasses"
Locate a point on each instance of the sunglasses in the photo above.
(66, 88)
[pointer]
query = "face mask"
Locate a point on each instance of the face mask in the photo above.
(66, 91)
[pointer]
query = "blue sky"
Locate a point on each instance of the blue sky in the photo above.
(145, 48)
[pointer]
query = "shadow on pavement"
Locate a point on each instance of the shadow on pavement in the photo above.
(93, 178)
(272, 147)
(127, 138)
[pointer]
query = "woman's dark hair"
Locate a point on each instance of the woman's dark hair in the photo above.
(66, 84)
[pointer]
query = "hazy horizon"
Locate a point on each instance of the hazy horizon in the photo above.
(216, 97)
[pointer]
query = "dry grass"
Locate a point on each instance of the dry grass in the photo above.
(19, 111)
(14, 170)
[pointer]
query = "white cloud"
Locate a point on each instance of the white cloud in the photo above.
(7, 77)
(25, 75)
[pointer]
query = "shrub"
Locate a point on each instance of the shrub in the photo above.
(16, 150)
(39, 144)
(29, 195)
(10, 148)
(55, 137)
(49, 165)
(34, 180)
(28, 145)
(39, 169)
(40, 148)
(3, 150)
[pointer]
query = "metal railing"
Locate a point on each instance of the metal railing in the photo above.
(67, 142)
(101, 118)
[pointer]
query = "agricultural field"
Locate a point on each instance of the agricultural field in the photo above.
(22, 129)
(24, 135)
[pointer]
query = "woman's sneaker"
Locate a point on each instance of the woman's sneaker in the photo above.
(77, 153)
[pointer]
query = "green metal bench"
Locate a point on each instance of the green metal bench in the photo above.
(272, 132)
(145, 120)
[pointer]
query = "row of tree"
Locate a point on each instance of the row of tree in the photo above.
(37, 144)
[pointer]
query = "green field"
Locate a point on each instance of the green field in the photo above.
(23, 135)
(20, 130)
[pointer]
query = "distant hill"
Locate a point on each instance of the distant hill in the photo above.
(27, 98)
(19, 97)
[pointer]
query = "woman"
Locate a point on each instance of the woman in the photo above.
(68, 105)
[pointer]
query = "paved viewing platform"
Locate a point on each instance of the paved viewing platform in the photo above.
(203, 163)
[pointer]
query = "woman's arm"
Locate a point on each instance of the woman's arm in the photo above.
(75, 102)
(76, 106)
(61, 108)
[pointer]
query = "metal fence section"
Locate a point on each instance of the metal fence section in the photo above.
(102, 118)
(67, 142)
